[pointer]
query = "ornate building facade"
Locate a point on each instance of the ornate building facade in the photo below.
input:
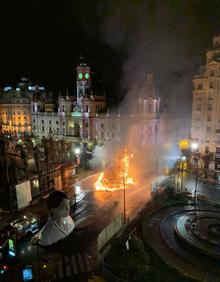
(15, 107)
(84, 120)
(205, 127)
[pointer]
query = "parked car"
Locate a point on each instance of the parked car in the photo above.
(22, 227)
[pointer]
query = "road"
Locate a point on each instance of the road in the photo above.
(100, 207)
(208, 190)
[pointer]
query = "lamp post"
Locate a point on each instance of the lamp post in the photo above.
(194, 147)
(196, 181)
(77, 153)
(182, 159)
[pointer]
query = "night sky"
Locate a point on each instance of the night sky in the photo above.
(122, 39)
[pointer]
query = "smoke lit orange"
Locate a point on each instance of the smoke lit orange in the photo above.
(118, 177)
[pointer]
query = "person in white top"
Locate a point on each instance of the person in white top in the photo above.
(59, 224)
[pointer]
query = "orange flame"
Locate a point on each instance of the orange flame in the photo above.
(119, 177)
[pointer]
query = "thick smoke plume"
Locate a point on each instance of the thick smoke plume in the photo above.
(142, 30)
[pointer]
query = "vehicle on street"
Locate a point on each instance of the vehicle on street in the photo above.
(22, 227)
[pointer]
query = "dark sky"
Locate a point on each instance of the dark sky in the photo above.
(122, 39)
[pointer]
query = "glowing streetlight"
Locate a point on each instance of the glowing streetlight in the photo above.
(194, 146)
(77, 151)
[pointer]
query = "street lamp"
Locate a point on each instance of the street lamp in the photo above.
(182, 159)
(194, 147)
(77, 152)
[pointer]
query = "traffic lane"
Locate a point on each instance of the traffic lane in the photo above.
(212, 191)
(103, 205)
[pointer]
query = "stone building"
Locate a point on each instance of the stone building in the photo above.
(15, 107)
(205, 127)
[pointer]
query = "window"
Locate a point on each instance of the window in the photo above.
(87, 124)
(63, 122)
(33, 108)
(211, 84)
(102, 125)
(49, 121)
(102, 135)
(42, 121)
(57, 130)
(212, 73)
(57, 122)
(34, 120)
(208, 129)
(42, 128)
(25, 117)
(209, 118)
(209, 107)
(200, 86)
(50, 130)
(149, 108)
(199, 107)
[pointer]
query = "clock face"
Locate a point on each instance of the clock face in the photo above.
(87, 75)
(80, 75)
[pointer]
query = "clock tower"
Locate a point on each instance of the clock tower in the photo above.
(83, 80)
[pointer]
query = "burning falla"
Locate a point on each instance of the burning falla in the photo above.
(117, 177)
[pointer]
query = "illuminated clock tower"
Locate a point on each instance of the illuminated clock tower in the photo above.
(83, 80)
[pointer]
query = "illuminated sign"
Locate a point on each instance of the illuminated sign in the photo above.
(18, 89)
(11, 247)
(27, 273)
